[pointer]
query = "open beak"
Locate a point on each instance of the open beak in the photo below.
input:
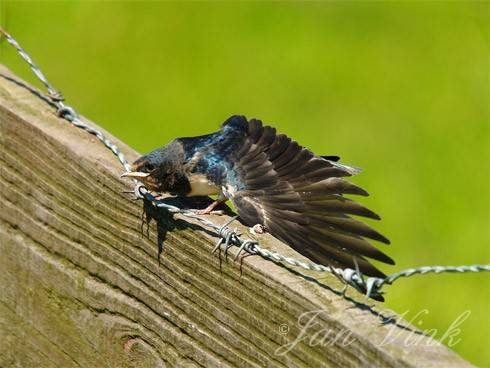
(134, 175)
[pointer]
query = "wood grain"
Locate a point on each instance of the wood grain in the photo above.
(81, 285)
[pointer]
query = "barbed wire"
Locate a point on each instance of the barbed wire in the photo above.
(370, 286)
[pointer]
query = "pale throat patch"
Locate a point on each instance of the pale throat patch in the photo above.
(200, 186)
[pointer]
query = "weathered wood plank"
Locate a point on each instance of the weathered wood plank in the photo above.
(81, 284)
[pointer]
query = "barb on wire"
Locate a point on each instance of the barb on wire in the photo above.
(370, 286)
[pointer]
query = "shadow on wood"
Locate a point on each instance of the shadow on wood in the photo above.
(81, 283)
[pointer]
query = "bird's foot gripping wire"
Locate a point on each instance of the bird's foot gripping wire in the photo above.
(209, 210)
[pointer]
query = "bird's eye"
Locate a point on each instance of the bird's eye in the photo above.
(149, 167)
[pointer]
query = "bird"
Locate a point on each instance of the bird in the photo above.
(273, 182)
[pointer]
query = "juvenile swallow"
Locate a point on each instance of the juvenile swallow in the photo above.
(295, 195)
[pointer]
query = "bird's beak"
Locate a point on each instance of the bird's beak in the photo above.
(134, 175)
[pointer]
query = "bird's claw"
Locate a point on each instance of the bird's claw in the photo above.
(209, 210)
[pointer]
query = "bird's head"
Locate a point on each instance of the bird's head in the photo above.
(162, 170)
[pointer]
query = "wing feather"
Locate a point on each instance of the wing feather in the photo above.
(298, 197)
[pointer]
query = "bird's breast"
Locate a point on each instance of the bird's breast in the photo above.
(201, 186)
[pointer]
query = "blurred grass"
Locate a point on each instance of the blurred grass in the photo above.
(400, 89)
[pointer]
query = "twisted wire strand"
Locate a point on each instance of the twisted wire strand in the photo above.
(370, 286)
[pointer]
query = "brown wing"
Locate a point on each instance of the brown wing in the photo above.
(298, 197)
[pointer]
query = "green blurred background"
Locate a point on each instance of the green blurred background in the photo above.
(400, 89)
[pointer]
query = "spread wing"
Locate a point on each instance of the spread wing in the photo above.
(298, 197)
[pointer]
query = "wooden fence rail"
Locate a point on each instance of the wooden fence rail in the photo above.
(81, 285)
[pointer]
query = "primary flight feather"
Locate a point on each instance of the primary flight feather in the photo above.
(297, 196)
